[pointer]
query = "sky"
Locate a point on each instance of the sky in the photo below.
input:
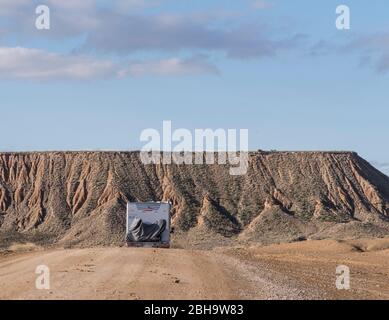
(106, 70)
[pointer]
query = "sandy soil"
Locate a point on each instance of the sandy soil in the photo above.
(310, 266)
(304, 270)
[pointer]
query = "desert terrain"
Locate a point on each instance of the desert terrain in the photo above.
(277, 232)
(78, 199)
(300, 270)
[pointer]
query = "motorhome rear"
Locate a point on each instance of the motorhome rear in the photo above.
(148, 224)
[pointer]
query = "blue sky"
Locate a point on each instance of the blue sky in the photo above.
(106, 70)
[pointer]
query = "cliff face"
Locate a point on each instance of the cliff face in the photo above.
(80, 196)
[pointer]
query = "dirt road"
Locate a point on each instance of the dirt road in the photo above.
(117, 273)
(133, 273)
(289, 271)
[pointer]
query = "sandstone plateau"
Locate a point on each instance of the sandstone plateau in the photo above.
(78, 198)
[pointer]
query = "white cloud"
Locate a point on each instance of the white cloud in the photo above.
(172, 33)
(34, 64)
(135, 31)
(172, 66)
(24, 63)
(374, 50)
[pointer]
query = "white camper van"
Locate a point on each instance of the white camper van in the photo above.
(148, 224)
